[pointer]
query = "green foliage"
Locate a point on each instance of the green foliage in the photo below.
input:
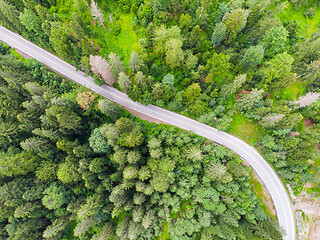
(275, 40)
(98, 143)
(219, 65)
(218, 34)
(14, 164)
(253, 56)
(47, 171)
(54, 196)
(68, 172)
(98, 80)
(277, 68)
(192, 92)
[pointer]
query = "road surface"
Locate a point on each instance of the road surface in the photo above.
(272, 182)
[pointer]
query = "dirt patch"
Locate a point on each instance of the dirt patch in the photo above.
(23, 54)
(311, 208)
(240, 93)
(308, 123)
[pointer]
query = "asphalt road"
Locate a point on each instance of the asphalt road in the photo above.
(274, 185)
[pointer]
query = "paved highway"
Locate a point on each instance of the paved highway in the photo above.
(274, 185)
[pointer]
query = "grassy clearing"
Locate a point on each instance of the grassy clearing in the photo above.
(317, 162)
(243, 128)
(124, 43)
(291, 92)
(307, 26)
(262, 194)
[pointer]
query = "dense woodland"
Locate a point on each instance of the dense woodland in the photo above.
(75, 166)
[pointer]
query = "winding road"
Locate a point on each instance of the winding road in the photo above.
(272, 182)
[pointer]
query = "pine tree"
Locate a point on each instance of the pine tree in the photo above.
(135, 62)
(139, 78)
(139, 198)
(219, 33)
(133, 157)
(246, 102)
(35, 145)
(91, 207)
(215, 171)
(144, 173)
(194, 153)
(105, 233)
(57, 226)
(130, 172)
(148, 219)
(124, 81)
(109, 108)
(117, 196)
(122, 229)
(116, 65)
(271, 120)
(133, 230)
(84, 225)
(228, 90)
(137, 213)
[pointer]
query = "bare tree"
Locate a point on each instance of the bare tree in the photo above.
(102, 67)
(306, 100)
(97, 13)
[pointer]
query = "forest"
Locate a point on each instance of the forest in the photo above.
(76, 166)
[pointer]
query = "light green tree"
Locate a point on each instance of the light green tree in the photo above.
(246, 101)
(68, 172)
(275, 39)
(192, 92)
(55, 228)
(228, 90)
(277, 68)
(116, 65)
(54, 196)
(135, 62)
(174, 53)
(219, 33)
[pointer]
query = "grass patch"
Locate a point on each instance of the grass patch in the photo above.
(292, 92)
(317, 162)
(125, 42)
(259, 190)
(243, 128)
(307, 26)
